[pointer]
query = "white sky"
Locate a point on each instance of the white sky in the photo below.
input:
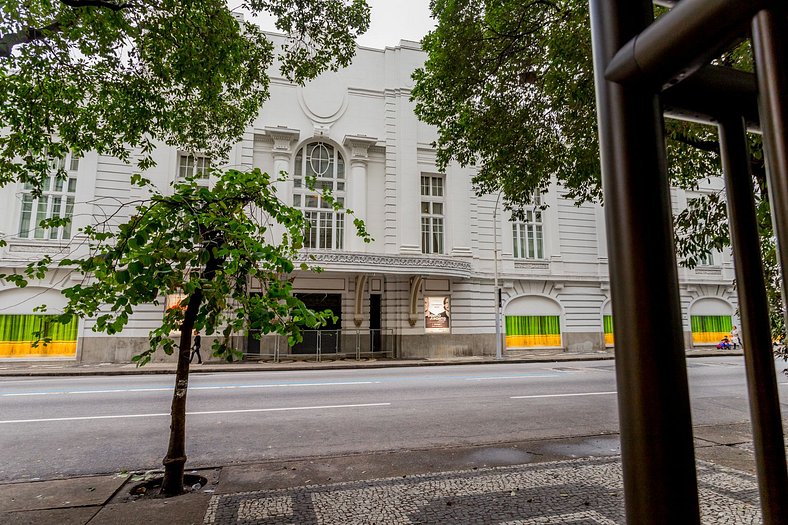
(392, 21)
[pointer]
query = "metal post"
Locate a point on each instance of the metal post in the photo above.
(690, 35)
(657, 451)
(496, 289)
(769, 42)
(767, 428)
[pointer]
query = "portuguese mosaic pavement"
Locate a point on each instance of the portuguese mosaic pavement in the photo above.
(576, 492)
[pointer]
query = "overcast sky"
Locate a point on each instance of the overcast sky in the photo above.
(392, 21)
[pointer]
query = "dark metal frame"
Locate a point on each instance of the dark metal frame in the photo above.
(644, 69)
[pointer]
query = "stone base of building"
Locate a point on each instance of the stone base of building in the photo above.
(122, 349)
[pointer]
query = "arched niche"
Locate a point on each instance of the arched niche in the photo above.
(19, 324)
(711, 318)
(533, 321)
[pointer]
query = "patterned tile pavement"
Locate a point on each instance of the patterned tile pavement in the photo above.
(582, 491)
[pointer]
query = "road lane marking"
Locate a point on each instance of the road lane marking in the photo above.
(169, 388)
(200, 413)
(565, 395)
(508, 377)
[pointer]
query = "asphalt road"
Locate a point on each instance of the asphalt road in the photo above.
(50, 427)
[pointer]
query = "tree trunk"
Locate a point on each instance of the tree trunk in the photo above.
(174, 461)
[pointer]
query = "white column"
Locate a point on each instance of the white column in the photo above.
(284, 188)
(283, 139)
(356, 189)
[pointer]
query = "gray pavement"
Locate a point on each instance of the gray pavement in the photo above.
(574, 480)
(534, 482)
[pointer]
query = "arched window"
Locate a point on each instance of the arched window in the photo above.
(323, 163)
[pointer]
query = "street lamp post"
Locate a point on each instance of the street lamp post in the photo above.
(497, 290)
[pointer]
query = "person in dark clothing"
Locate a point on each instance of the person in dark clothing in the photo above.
(196, 348)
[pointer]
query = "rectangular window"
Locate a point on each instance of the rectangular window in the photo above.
(56, 201)
(432, 207)
(528, 234)
(196, 166)
(706, 259)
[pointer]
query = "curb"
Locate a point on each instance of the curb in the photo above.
(221, 368)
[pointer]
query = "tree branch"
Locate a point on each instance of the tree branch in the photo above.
(25, 36)
(31, 34)
(711, 146)
(96, 3)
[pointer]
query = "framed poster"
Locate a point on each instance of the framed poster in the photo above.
(437, 310)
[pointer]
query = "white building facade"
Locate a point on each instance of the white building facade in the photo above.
(422, 288)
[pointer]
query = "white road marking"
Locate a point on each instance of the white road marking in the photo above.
(565, 395)
(169, 389)
(508, 377)
(205, 412)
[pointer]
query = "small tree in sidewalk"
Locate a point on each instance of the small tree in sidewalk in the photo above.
(206, 244)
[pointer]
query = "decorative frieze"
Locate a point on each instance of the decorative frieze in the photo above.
(532, 265)
(391, 263)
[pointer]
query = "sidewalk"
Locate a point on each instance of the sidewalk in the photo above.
(44, 367)
(566, 480)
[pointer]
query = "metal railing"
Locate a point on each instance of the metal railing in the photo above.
(642, 67)
(322, 344)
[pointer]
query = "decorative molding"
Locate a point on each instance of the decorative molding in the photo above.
(708, 270)
(532, 265)
(358, 313)
(283, 137)
(359, 145)
(413, 304)
(25, 246)
(322, 130)
(262, 138)
(391, 263)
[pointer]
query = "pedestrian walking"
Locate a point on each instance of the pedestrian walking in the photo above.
(196, 348)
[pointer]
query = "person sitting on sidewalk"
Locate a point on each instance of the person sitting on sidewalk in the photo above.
(725, 344)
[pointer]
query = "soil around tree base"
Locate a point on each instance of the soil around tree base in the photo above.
(151, 488)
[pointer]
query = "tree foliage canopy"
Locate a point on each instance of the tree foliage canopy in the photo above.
(115, 76)
(199, 241)
(510, 86)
